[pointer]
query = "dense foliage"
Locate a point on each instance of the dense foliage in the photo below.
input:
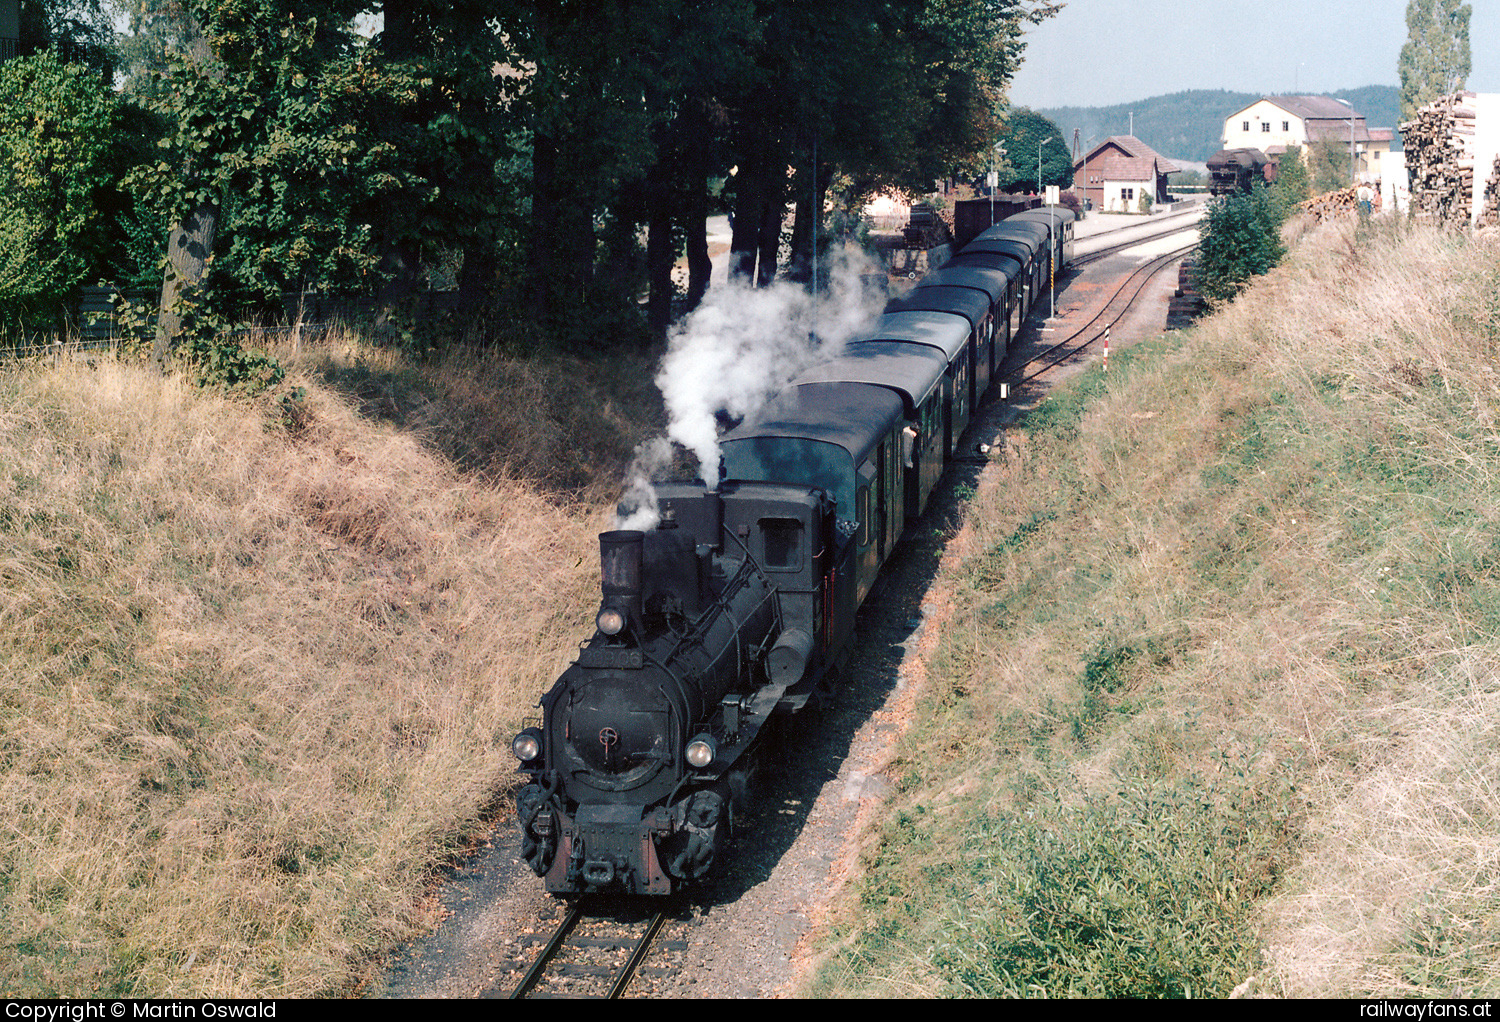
(1293, 184)
(56, 138)
(1241, 239)
(520, 150)
(1036, 155)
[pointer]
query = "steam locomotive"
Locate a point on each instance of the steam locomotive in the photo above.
(741, 601)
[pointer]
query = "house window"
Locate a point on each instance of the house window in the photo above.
(1265, 125)
(1286, 125)
(1127, 194)
(1245, 126)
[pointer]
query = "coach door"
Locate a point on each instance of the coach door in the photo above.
(869, 534)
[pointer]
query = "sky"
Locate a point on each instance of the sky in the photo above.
(1103, 52)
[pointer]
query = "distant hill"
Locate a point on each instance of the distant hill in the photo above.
(1188, 125)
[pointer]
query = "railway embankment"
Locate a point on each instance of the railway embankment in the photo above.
(1212, 711)
(260, 660)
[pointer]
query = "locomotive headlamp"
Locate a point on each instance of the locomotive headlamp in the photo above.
(527, 745)
(610, 621)
(700, 751)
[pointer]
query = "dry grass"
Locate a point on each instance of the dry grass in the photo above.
(1253, 571)
(260, 664)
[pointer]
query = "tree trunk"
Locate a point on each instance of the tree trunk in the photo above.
(799, 265)
(189, 245)
(661, 252)
(804, 238)
(745, 243)
(476, 290)
(402, 268)
(700, 264)
(757, 222)
(696, 211)
(770, 237)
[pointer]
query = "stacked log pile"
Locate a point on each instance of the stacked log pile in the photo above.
(1440, 158)
(1491, 215)
(1186, 304)
(1331, 204)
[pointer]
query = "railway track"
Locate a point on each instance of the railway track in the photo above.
(594, 955)
(1159, 228)
(1098, 325)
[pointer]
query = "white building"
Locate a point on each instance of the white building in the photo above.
(1274, 124)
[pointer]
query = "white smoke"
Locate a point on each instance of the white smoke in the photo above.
(733, 353)
(638, 503)
(744, 344)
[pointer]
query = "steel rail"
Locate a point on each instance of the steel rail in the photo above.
(1089, 257)
(548, 953)
(1143, 274)
(627, 972)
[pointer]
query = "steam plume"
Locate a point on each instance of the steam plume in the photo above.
(734, 352)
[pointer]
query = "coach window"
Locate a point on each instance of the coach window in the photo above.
(781, 540)
(864, 516)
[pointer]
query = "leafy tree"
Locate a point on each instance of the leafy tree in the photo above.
(457, 157)
(1328, 165)
(625, 114)
(1026, 131)
(1292, 184)
(1241, 238)
(81, 30)
(931, 109)
(57, 125)
(306, 158)
(1435, 60)
(252, 136)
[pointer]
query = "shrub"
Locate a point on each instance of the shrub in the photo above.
(1241, 239)
(56, 128)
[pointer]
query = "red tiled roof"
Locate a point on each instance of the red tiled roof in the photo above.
(1130, 160)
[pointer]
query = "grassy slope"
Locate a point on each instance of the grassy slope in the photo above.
(260, 663)
(1229, 626)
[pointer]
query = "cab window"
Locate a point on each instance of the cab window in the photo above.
(781, 543)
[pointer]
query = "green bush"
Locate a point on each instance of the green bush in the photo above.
(1241, 239)
(57, 123)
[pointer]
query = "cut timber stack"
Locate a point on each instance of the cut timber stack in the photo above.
(1186, 304)
(1491, 215)
(1330, 204)
(1440, 158)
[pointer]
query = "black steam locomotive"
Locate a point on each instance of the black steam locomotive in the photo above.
(741, 600)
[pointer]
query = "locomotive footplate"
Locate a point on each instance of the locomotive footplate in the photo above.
(610, 846)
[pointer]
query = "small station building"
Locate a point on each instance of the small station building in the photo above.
(1116, 173)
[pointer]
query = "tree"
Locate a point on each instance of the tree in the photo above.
(1292, 184)
(1435, 60)
(1025, 132)
(57, 124)
(930, 111)
(80, 30)
(1328, 164)
(297, 155)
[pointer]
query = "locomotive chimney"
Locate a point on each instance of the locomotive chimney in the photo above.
(620, 573)
(714, 504)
